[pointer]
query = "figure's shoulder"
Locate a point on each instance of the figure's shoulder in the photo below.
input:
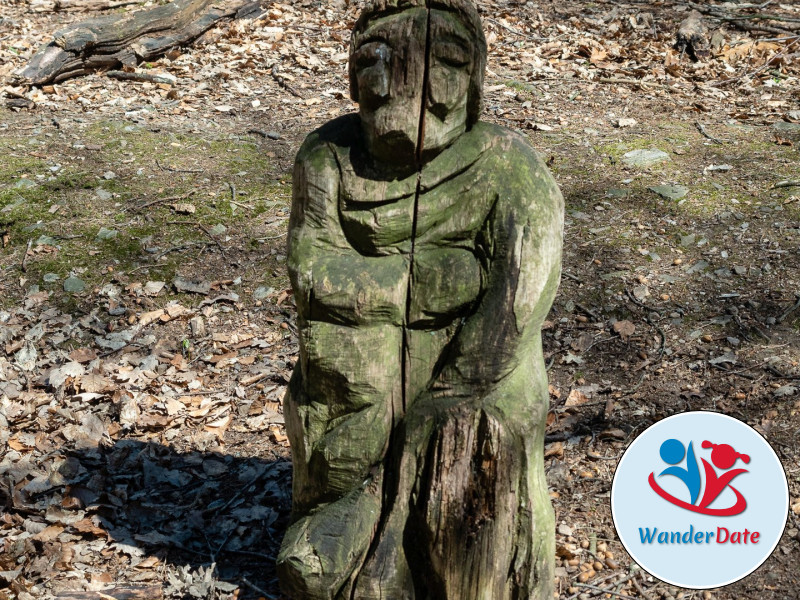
(340, 132)
(507, 143)
(521, 176)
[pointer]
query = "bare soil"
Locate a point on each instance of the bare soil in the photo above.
(141, 436)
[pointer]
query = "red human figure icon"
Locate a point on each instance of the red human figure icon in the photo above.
(724, 457)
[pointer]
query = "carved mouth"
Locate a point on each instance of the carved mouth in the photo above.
(439, 110)
(398, 142)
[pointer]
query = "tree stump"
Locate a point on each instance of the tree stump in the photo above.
(424, 252)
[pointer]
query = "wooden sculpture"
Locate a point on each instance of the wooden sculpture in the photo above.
(424, 252)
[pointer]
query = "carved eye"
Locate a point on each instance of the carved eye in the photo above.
(451, 54)
(370, 54)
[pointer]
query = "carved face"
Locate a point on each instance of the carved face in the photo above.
(395, 74)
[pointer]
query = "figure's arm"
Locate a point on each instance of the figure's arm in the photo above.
(331, 280)
(523, 239)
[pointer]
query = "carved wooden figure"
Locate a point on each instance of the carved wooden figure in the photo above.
(424, 251)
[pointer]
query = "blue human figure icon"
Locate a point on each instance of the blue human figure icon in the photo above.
(672, 453)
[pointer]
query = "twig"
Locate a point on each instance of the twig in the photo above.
(267, 134)
(638, 303)
(740, 373)
(785, 184)
(180, 247)
(605, 590)
(789, 311)
(249, 485)
(645, 85)
(701, 128)
(780, 39)
(761, 17)
(616, 584)
(587, 311)
(255, 588)
(160, 201)
(223, 544)
(283, 83)
(635, 387)
(173, 170)
(155, 266)
(241, 205)
(773, 371)
(24, 264)
(663, 345)
(272, 237)
(741, 20)
(254, 378)
(204, 229)
(639, 588)
(140, 77)
(571, 276)
(519, 33)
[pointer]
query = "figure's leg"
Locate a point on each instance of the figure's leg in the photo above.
(339, 413)
(340, 408)
(482, 517)
(472, 518)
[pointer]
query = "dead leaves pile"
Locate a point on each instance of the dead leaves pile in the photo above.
(116, 467)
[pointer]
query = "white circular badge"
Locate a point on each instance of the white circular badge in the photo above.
(699, 500)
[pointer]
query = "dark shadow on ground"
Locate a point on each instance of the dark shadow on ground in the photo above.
(190, 510)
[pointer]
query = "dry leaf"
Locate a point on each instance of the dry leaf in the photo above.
(83, 355)
(576, 398)
(49, 533)
(625, 329)
(554, 449)
(150, 317)
(796, 507)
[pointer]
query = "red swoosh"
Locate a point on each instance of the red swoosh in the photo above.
(737, 508)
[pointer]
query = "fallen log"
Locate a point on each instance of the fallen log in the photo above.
(78, 5)
(113, 40)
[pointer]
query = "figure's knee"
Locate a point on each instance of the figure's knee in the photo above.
(344, 457)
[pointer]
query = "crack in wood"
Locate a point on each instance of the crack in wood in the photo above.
(389, 480)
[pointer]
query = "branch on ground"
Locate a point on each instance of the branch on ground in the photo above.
(751, 21)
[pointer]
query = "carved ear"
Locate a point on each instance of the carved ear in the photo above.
(707, 444)
(744, 457)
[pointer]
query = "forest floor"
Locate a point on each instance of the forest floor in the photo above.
(147, 329)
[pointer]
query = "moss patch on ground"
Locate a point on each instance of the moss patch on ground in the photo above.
(119, 199)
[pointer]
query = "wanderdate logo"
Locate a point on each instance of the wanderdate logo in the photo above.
(699, 500)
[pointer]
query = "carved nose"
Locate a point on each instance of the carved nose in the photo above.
(382, 82)
(374, 83)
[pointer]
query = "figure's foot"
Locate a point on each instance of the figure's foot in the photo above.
(320, 551)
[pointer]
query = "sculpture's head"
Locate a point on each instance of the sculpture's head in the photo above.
(405, 55)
